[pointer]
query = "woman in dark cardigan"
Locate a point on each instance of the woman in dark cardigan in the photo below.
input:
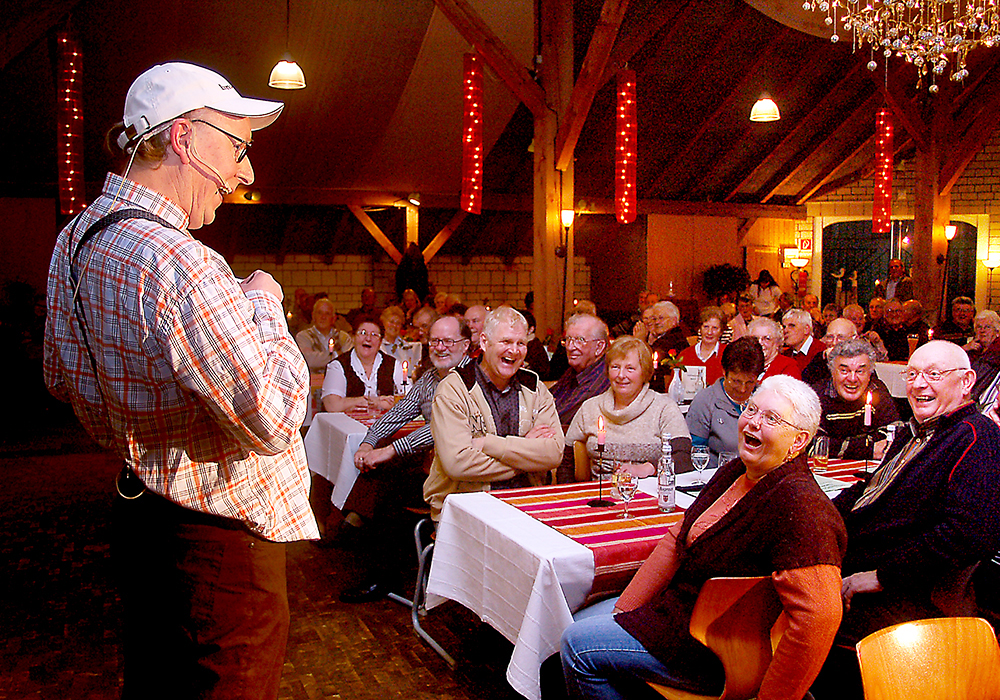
(760, 515)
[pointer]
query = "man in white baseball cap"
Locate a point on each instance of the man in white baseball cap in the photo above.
(191, 376)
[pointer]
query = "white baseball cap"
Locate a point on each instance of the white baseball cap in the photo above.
(167, 91)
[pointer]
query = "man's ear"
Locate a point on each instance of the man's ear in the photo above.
(180, 139)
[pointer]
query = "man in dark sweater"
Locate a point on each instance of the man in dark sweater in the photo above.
(856, 405)
(920, 526)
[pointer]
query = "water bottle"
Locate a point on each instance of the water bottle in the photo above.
(665, 495)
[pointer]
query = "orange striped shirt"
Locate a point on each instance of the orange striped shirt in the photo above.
(202, 389)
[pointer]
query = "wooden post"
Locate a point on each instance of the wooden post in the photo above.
(932, 211)
(555, 73)
(412, 225)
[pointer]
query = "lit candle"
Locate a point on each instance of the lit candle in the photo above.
(930, 334)
(332, 346)
(656, 360)
(405, 375)
(868, 410)
(601, 433)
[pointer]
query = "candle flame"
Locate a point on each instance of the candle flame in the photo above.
(869, 399)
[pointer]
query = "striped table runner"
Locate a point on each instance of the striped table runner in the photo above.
(619, 546)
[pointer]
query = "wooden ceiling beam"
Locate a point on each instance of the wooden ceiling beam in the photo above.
(973, 140)
(823, 104)
(443, 235)
(666, 12)
(376, 233)
(731, 210)
(818, 144)
(496, 54)
(749, 75)
(744, 228)
(861, 173)
(903, 108)
(588, 81)
(821, 179)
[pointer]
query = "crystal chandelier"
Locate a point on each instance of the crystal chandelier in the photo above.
(927, 33)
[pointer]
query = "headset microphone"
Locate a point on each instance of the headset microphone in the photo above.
(223, 187)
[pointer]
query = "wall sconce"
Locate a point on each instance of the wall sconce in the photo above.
(414, 199)
(567, 216)
(950, 231)
(790, 257)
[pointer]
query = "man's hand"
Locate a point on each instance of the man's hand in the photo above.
(359, 456)
(639, 330)
(372, 458)
(861, 582)
(258, 279)
(541, 431)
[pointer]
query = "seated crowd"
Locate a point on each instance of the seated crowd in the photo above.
(756, 383)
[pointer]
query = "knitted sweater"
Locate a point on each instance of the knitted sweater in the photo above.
(633, 432)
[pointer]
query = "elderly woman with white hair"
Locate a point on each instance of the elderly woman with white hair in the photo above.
(768, 334)
(761, 515)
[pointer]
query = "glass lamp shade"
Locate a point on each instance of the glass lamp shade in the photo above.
(286, 75)
(567, 216)
(765, 110)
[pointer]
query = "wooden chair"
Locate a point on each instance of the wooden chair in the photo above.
(734, 617)
(951, 658)
(582, 461)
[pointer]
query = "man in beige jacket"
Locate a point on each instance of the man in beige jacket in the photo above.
(495, 424)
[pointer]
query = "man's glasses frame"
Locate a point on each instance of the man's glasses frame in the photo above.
(578, 341)
(241, 146)
(446, 343)
(932, 376)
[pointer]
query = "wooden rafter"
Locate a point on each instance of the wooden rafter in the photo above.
(981, 130)
(744, 228)
(496, 54)
(821, 179)
(443, 235)
(731, 210)
(819, 144)
(903, 109)
(748, 75)
(821, 106)
(588, 81)
(861, 173)
(630, 43)
(376, 233)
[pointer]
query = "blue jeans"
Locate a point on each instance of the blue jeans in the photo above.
(602, 661)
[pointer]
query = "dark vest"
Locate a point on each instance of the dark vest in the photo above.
(356, 387)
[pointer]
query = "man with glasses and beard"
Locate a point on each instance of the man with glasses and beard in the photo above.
(392, 475)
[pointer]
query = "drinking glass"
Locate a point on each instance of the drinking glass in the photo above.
(821, 453)
(627, 483)
(699, 458)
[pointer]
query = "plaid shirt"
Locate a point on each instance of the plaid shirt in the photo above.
(201, 388)
(416, 403)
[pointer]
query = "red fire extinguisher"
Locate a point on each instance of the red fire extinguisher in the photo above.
(800, 282)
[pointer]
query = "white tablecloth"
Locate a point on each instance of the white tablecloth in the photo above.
(522, 577)
(889, 373)
(331, 442)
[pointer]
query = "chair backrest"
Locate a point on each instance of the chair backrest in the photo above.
(733, 617)
(953, 658)
(581, 461)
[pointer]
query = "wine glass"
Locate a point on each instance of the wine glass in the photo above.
(627, 483)
(699, 458)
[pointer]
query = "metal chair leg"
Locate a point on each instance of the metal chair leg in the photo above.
(417, 605)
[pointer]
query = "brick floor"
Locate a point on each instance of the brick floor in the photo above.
(59, 614)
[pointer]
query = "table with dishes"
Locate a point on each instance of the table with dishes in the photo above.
(525, 560)
(331, 442)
